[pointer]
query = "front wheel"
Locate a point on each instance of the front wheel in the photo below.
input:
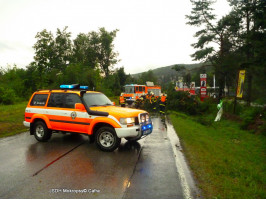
(41, 132)
(106, 139)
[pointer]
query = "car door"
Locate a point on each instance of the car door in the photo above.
(62, 113)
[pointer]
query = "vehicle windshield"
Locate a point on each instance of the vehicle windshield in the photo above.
(129, 89)
(96, 99)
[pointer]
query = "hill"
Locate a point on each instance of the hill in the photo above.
(166, 74)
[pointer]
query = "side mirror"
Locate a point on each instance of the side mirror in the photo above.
(79, 106)
(113, 103)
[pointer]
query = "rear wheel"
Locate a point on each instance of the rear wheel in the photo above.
(106, 139)
(41, 132)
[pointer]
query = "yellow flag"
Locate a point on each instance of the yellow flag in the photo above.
(240, 85)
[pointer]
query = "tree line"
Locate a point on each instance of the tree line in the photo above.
(88, 59)
(241, 41)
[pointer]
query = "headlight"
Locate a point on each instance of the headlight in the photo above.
(126, 121)
(142, 119)
(147, 118)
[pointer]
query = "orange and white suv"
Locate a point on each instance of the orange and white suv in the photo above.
(75, 109)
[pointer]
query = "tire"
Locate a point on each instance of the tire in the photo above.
(106, 139)
(41, 132)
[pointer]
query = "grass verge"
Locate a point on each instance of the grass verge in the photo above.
(11, 120)
(226, 161)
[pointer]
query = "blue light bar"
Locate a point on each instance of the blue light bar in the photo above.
(74, 86)
(84, 87)
(66, 86)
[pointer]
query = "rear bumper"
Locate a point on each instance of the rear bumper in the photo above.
(27, 124)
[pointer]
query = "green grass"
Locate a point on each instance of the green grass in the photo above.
(226, 161)
(11, 119)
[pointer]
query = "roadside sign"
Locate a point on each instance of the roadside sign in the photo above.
(203, 80)
(203, 91)
(192, 88)
(203, 86)
(192, 85)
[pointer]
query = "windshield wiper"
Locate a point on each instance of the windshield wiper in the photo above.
(94, 105)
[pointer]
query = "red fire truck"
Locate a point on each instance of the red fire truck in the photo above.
(134, 91)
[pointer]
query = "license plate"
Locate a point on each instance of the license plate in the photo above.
(146, 132)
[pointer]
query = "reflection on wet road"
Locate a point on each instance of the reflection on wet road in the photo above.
(68, 166)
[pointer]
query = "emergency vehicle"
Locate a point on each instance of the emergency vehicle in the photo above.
(134, 91)
(73, 108)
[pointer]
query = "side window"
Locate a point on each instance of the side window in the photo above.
(137, 89)
(140, 89)
(56, 100)
(39, 100)
(63, 100)
(71, 100)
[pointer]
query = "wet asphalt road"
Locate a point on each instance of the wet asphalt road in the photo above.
(67, 166)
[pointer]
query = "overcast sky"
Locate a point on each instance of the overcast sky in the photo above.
(152, 33)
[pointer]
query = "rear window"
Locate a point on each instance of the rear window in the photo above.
(39, 100)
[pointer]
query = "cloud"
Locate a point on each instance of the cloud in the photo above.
(14, 52)
(152, 33)
(5, 46)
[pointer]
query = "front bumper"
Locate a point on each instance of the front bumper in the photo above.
(134, 131)
(27, 124)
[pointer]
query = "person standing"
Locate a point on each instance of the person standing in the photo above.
(122, 101)
(153, 101)
(162, 104)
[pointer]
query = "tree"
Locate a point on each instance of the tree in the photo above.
(85, 49)
(96, 49)
(63, 49)
(121, 76)
(147, 76)
(212, 32)
(252, 24)
(179, 68)
(52, 55)
(106, 55)
(44, 51)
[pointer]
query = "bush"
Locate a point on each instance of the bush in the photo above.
(184, 102)
(228, 106)
(250, 115)
(7, 96)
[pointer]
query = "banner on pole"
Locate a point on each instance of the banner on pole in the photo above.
(240, 83)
